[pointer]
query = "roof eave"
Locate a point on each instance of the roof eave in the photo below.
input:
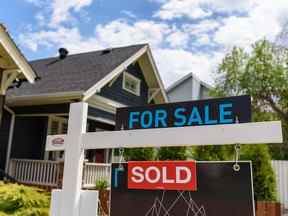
(11, 48)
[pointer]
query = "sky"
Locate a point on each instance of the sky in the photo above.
(185, 35)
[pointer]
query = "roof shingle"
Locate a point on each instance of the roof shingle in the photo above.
(77, 72)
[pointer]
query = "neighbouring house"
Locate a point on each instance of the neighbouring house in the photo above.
(189, 87)
(105, 79)
(14, 70)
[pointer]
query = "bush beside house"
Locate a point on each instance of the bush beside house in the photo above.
(19, 200)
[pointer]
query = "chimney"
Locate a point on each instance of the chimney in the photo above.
(63, 53)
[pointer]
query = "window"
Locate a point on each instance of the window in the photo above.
(131, 84)
(57, 125)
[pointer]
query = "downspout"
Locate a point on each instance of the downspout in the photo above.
(10, 139)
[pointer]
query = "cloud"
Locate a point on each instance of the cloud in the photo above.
(177, 9)
(199, 9)
(120, 32)
(175, 63)
(61, 9)
(57, 12)
(61, 37)
(178, 39)
(179, 47)
(264, 20)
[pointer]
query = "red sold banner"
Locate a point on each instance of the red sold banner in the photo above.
(162, 175)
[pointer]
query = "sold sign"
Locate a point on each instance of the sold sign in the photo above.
(162, 175)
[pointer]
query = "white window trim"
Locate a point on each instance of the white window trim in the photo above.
(125, 74)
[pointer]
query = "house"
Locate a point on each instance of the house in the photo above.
(14, 70)
(189, 87)
(105, 79)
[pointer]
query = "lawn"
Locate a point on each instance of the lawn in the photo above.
(19, 200)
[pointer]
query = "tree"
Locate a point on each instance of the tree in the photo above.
(263, 175)
(263, 74)
(212, 153)
(172, 153)
(139, 154)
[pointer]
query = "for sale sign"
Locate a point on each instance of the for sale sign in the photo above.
(221, 191)
(214, 111)
(162, 175)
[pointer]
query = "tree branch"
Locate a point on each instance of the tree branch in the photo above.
(276, 108)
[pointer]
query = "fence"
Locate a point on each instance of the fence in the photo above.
(281, 172)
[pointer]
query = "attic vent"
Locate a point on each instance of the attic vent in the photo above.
(63, 53)
(106, 51)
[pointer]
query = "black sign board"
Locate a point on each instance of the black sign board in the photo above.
(221, 191)
(191, 113)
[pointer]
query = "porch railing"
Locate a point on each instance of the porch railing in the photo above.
(49, 173)
(95, 171)
(35, 172)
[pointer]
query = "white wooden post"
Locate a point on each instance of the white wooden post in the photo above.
(74, 158)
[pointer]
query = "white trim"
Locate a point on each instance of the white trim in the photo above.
(152, 93)
(58, 97)
(8, 76)
(179, 81)
(10, 139)
(104, 104)
(16, 55)
(118, 70)
(113, 80)
(127, 75)
(103, 120)
(184, 78)
(157, 74)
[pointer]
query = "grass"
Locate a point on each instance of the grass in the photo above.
(20, 200)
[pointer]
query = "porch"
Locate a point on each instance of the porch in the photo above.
(48, 174)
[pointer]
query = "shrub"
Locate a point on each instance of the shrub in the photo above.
(102, 184)
(263, 175)
(172, 153)
(19, 200)
(139, 154)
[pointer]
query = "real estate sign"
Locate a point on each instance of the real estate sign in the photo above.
(219, 189)
(191, 113)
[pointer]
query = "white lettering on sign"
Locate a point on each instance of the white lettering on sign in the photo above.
(180, 175)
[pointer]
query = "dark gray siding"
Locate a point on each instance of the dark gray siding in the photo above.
(100, 113)
(117, 93)
(29, 137)
(40, 109)
(4, 136)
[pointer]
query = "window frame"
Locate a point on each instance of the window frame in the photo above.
(133, 78)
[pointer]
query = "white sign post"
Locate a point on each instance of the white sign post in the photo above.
(72, 201)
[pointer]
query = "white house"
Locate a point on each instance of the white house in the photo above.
(187, 88)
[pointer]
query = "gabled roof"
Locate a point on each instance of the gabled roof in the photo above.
(186, 77)
(75, 73)
(12, 60)
(82, 75)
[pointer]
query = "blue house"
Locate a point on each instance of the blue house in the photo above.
(105, 79)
